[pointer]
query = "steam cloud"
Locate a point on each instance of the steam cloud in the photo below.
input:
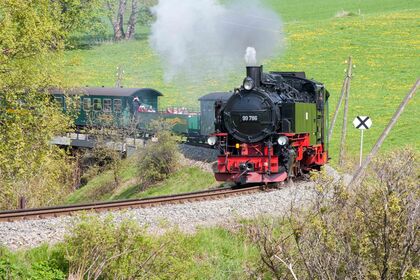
(202, 38)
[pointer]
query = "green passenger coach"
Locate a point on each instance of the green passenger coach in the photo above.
(94, 103)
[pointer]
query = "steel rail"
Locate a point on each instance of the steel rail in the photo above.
(55, 211)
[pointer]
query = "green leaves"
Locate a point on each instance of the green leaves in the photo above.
(32, 35)
(159, 159)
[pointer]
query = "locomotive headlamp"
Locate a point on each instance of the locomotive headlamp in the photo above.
(283, 140)
(212, 140)
(248, 83)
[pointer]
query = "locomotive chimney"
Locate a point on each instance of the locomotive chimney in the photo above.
(255, 72)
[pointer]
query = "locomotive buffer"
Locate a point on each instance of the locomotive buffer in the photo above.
(362, 123)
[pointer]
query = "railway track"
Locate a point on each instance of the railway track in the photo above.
(47, 212)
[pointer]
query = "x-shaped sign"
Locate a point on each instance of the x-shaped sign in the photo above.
(362, 122)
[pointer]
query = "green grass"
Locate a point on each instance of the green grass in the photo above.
(384, 42)
(188, 179)
(211, 253)
(224, 254)
(102, 187)
(311, 10)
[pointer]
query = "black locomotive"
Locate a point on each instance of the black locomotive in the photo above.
(270, 128)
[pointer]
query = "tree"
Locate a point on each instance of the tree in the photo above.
(32, 36)
(79, 17)
(116, 10)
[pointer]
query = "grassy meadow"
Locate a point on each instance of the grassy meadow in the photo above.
(381, 36)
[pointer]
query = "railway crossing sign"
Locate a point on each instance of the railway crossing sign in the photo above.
(362, 123)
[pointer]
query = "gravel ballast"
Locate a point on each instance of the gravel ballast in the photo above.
(187, 217)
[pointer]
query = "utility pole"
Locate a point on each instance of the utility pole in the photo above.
(346, 109)
(359, 172)
(120, 73)
(340, 100)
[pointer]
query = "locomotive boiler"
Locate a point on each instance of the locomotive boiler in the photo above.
(271, 128)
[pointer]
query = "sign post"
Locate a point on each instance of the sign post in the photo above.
(361, 147)
(362, 123)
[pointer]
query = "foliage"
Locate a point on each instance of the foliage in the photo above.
(29, 165)
(158, 159)
(145, 15)
(32, 36)
(125, 247)
(106, 154)
(367, 232)
(104, 249)
(80, 17)
(38, 264)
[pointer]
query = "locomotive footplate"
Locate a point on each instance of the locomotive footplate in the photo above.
(251, 177)
(249, 169)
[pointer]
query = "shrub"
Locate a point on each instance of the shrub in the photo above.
(109, 250)
(38, 264)
(158, 159)
(104, 248)
(368, 231)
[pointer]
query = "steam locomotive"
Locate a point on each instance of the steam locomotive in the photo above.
(271, 128)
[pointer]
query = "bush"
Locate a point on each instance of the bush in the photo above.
(108, 249)
(158, 159)
(369, 231)
(37, 264)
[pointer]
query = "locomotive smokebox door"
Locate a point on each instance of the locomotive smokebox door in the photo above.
(251, 117)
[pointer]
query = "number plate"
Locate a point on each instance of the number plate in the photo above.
(249, 118)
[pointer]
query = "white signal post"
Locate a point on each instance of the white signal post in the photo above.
(362, 123)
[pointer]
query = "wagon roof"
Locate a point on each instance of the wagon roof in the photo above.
(215, 96)
(107, 91)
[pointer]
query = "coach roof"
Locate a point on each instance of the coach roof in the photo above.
(107, 91)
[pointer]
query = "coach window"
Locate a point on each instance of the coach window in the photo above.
(117, 105)
(107, 105)
(86, 104)
(59, 100)
(97, 104)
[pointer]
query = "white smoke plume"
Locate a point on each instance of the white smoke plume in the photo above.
(202, 38)
(251, 56)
